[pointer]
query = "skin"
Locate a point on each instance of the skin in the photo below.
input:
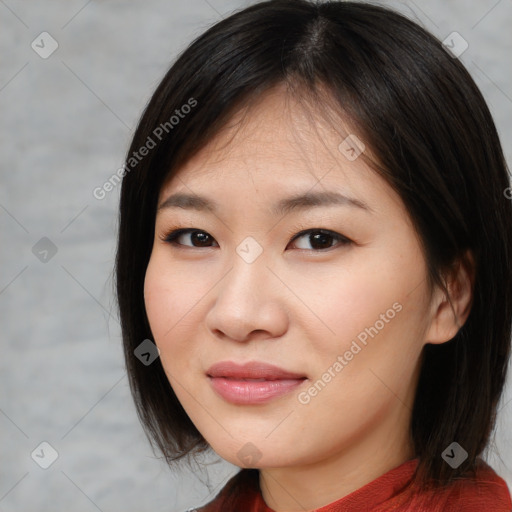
(296, 306)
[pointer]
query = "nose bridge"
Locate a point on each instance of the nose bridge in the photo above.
(248, 271)
(244, 301)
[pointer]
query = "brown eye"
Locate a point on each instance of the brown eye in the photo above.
(320, 239)
(196, 236)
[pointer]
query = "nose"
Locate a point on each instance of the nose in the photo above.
(249, 303)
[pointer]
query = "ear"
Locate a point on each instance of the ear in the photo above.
(445, 320)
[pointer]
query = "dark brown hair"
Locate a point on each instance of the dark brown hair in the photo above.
(431, 137)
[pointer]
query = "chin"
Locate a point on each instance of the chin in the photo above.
(258, 453)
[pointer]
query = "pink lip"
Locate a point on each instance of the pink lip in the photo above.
(233, 382)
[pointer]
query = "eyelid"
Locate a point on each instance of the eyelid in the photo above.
(340, 239)
(171, 235)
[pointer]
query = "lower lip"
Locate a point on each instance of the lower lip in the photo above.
(252, 392)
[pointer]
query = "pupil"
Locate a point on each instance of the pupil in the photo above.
(316, 240)
(200, 237)
(322, 237)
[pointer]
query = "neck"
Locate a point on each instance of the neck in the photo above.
(312, 486)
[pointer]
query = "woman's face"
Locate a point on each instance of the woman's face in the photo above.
(347, 316)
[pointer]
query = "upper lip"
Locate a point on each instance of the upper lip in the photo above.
(251, 370)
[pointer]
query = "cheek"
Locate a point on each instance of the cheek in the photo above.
(351, 300)
(174, 301)
(167, 303)
(159, 300)
(375, 313)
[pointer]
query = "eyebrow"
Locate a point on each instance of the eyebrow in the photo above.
(294, 203)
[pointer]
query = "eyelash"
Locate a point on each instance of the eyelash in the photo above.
(171, 236)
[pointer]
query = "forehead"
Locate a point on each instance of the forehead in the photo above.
(279, 145)
(277, 128)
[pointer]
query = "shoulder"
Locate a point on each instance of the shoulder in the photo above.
(484, 490)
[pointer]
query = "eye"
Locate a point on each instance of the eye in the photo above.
(196, 235)
(319, 239)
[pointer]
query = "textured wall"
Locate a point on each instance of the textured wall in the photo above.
(65, 122)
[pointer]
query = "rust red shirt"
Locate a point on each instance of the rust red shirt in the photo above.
(487, 492)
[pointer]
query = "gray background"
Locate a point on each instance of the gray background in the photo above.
(66, 122)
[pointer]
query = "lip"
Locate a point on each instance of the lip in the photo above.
(251, 370)
(235, 382)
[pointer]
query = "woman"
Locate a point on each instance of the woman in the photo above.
(314, 233)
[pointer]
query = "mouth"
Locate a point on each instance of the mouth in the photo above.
(252, 383)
